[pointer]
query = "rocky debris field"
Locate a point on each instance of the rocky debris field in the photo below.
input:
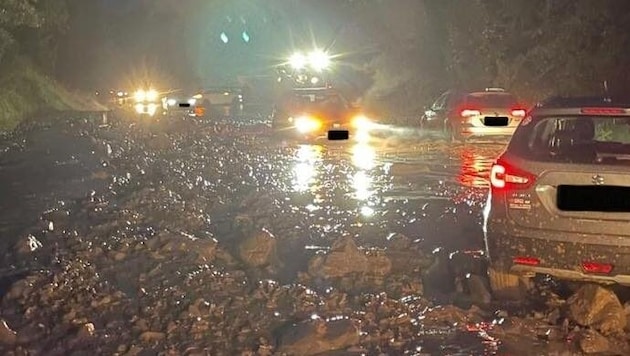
(178, 238)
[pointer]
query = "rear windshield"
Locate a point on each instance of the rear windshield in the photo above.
(580, 139)
(491, 100)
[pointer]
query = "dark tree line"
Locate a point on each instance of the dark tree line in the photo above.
(400, 51)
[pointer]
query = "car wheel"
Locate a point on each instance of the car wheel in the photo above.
(508, 286)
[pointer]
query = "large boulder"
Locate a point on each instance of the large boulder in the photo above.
(259, 249)
(346, 259)
(318, 336)
(597, 307)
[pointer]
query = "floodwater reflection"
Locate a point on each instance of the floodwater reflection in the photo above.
(305, 171)
(363, 158)
(475, 168)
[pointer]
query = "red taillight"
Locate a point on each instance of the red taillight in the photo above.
(528, 261)
(603, 111)
(505, 176)
(470, 112)
(519, 112)
(596, 267)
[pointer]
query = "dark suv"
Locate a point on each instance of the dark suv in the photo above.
(464, 114)
(559, 202)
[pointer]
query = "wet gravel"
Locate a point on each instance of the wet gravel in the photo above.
(191, 238)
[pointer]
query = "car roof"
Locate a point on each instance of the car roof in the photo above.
(580, 106)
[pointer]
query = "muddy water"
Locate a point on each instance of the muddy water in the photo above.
(137, 253)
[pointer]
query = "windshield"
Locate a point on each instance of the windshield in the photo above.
(575, 139)
(491, 100)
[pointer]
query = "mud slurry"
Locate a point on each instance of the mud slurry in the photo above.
(193, 238)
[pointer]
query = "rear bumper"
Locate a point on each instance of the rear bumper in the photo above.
(560, 254)
(475, 131)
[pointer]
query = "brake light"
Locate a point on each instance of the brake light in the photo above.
(596, 267)
(519, 112)
(505, 176)
(603, 111)
(528, 261)
(469, 113)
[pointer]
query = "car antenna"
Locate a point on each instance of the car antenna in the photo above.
(607, 97)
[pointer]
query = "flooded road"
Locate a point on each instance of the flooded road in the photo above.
(192, 238)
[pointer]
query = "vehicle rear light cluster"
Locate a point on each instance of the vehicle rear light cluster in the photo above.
(506, 176)
(528, 261)
(596, 267)
(519, 112)
(470, 112)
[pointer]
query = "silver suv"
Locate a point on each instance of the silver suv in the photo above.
(559, 202)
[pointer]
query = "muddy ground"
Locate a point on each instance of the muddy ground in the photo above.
(183, 237)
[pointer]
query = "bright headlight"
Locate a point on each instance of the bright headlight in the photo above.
(306, 124)
(140, 95)
(151, 109)
(139, 108)
(192, 101)
(171, 102)
(298, 61)
(362, 122)
(319, 60)
(151, 95)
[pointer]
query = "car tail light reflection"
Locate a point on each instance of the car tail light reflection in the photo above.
(506, 176)
(470, 112)
(519, 112)
(528, 261)
(596, 267)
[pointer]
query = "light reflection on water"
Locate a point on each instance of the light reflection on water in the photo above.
(308, 160)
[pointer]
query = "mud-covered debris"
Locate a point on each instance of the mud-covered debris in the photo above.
(27, 245)
(7, 335)
(317, 336)
(346, 259)
(451, 315)
(86, 330)
(592, 342)
(595, 306)
(479, 293)
(152, 336)
(259, 249)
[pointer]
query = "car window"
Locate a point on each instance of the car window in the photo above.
(576, 139)
(493, 100)
(439, 104)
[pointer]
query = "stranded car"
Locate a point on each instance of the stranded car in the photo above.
(461, 115)
(559, 202)
(316, 112)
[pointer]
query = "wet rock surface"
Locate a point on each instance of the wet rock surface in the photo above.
(194, 238)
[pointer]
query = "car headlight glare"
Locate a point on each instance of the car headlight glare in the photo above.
(140, 95)
(151, 95)
(192, 101)
(171, 102)
(139, 108)
(362, 122)
(306, 124)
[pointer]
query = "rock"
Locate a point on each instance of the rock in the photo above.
(259, 249)
(206, 250)
(86, 330)
(152, 336)
(7, 335)
(597, 307)
(344, 259)
(27, 245)
(592, 342)
(396, 241)
(316, 337)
